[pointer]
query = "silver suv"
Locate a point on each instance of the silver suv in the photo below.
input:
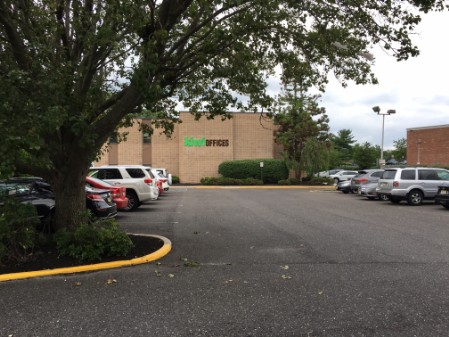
(413, 184)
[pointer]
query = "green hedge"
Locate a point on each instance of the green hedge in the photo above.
(230, 181)
(273, 170)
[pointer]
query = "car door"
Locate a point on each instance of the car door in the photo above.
(430, 180)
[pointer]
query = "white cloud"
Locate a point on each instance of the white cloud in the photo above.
(416, 89)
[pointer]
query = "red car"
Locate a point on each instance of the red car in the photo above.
(118, 192)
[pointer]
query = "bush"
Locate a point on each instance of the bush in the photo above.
(230, 181)
(175, 179)
(94, 240)
(273, 170)
(18, 235)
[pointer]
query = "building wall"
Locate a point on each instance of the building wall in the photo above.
(197, 148)
(428, 146)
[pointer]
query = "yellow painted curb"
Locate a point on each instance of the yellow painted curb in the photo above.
(161, 252)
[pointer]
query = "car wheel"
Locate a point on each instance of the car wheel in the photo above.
(415, 198)
(395, 200)
(383, 197)
(133, 201)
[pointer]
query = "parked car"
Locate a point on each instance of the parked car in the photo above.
(365, 176)
(34, 191)
(140, 185)
(414, 184)
(118, 192)
(344, 186)
(326, 174)
(164, 181)
(442, 196)
(100, 203)
(369, 190)
(342, 175)
(165, 173)
(158, 178)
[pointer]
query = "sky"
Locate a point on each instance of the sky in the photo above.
(417, 89)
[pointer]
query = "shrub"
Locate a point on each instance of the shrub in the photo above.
(93, 240)
(273, 170)
(230, 181)
(17, 231)
(175, 179)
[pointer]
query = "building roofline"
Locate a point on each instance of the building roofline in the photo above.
(429, 127)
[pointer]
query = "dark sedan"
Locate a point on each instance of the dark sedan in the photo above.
(442, 196)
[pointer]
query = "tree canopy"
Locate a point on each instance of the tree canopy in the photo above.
(71, 71)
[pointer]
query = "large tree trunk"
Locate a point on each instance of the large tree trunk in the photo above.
(68, 183)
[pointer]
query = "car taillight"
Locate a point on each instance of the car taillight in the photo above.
(116, 192)
(395, 183)
(123, 191)
(94, 197)
(362, 180)
(148, 180)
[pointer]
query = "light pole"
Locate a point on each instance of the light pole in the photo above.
(376, 109)
(418, 144)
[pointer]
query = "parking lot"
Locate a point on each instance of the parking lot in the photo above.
(257, 262)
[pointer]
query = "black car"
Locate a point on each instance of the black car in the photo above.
(442, 196)
(100, 202)
(34, 191)
(38, 192)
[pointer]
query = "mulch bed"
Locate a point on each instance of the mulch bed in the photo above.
(49, 258)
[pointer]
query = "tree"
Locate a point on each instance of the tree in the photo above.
(400, 150)
(299, 120)
(343, 145)
(316, 156)
(365, 155)
(71, 72)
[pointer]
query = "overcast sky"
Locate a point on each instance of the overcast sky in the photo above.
(417, 89)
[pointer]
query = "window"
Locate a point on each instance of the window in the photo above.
(389, 174)
(443, 175)
(108, 174)
(146, 137)
(378, 174)
(408, 175)
(135, 173)
(428, 175)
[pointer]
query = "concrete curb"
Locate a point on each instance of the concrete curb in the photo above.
(318, 187)
(164, 250)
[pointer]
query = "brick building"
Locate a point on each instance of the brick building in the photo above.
(196, 148)
(428, 146)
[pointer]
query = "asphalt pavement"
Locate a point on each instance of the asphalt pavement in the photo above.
(256, 262)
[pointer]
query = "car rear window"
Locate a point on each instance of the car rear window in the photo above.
(408, 175)
(389, 174)
(136, 173)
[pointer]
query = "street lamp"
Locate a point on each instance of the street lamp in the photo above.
(376, 109)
